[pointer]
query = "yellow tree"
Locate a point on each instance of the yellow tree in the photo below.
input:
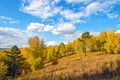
(70, 48)
(117, 43)
(84, 37)
(110, 41)
(37, 50)
(52, 54)
(61, 50)
(101, 41)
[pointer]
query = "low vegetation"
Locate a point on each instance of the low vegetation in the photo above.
(95, 66)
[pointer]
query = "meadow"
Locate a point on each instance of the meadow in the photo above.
(94, 66)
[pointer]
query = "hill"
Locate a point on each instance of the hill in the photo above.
(94, 66)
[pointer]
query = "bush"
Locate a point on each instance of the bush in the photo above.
(118, 64)
(54, 62)
(3, 70)
(36, 63)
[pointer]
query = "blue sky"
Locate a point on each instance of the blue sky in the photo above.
(55, 20)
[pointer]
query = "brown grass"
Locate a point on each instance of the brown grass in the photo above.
(94, 66)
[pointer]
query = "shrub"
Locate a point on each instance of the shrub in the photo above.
(118, 64)
(3, 70)
(54, 61)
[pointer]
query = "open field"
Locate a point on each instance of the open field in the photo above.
(94, 66)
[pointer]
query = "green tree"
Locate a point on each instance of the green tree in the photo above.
(15, 62)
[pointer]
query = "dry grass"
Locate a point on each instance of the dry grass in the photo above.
(76, 67)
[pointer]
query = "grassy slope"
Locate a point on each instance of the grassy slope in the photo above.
(76, 68)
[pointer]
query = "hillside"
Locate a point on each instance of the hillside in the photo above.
(94, 66)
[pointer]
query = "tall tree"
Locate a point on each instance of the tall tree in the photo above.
(15, 61)
(52, 55)
(83, 39)
(110, 44)
(102, 40)
(61, 50)
(37, 49)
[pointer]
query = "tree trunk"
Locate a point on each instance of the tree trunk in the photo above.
(84, 48)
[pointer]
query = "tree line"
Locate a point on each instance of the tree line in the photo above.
(13, 62)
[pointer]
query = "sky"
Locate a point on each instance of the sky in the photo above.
(55, 21)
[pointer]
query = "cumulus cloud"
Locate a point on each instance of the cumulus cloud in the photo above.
(39, 27)
(73, 17)
(64, 28)
(92, 8)
(51, 43)
(48, 28)
(118, 31)
(40, 8)
(11, 36)
(36, 26)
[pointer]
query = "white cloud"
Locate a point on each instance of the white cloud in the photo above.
(74, 17)
(40, 8)
(48, 28)
(78, 1)
(13, 22)
(100, 6)
(40, 27)
(94, 33)
(5, 18)
(8, 20)
(118, 25)
(71, 37)
(46, 8)
(64, 28)
(93, 8)
(118, 31)
(36, 26)
(113, 16)
(69, 14)
(11, 36)
(51, 43)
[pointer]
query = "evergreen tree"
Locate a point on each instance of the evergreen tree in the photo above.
(15, 62)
